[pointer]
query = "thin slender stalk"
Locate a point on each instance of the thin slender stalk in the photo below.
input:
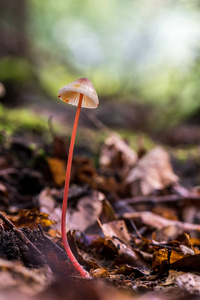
(65, 197)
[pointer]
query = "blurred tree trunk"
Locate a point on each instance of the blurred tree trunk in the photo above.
(13, 33)
(17, 64)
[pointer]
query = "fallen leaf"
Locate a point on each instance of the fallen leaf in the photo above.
(60, 146)
(165, 211)
(130, 270)
(57, 168)
(153, 172)
(167, 233)
(83, 171)
(101, 272)
(107, 213)
(48, 206)
(116, 229)
(164, 255)
(117, 156)
(87, 212)
(30, 218)
(116, 233)
(187, 263)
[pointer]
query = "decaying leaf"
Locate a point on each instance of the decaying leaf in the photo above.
(107, 214)
(98, 273)
(83, 171)
(164, 255)
(187, 263)
(153, 172)
(116, 232)
(117, 155)
(31, 219)
(176, 260)
(166, 212)
(129, 270)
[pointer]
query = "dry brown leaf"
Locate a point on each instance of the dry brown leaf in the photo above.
(167, 233)
(116, 232)
(100, 272)
(130, 270)
(116, 229)
(46, 201)
(153, 172)
(117, 155)
(83, 171)
(31, 219)
(57, 168)
(48, 206)
(162, 255)
(187, 263)
(107, 214)
(165, 212)
(88, 211)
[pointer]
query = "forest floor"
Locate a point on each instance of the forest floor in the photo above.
(133, 215)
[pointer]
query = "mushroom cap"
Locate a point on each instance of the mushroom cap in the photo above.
(70, 93)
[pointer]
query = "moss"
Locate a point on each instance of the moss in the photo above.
(183, 154)
(16, 69)
(16, 120)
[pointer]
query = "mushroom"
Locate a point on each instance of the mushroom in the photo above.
(79, 93)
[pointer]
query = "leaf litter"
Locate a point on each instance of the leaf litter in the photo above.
(130, 223)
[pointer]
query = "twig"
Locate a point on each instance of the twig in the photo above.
(159, 222)
(183, 200)
(135, 228)
(117, 238)
(98, 123)
(164, 246)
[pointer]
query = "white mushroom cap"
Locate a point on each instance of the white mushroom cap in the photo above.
(70, 93)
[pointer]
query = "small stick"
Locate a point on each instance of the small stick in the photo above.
(174, 199)
(98, 123)
(157, 221)
(135, 228)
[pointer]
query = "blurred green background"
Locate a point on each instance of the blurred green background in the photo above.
(141, 55)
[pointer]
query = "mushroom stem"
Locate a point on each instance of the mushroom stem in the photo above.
(73, 260)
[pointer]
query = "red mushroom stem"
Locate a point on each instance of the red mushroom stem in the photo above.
(73, 260)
